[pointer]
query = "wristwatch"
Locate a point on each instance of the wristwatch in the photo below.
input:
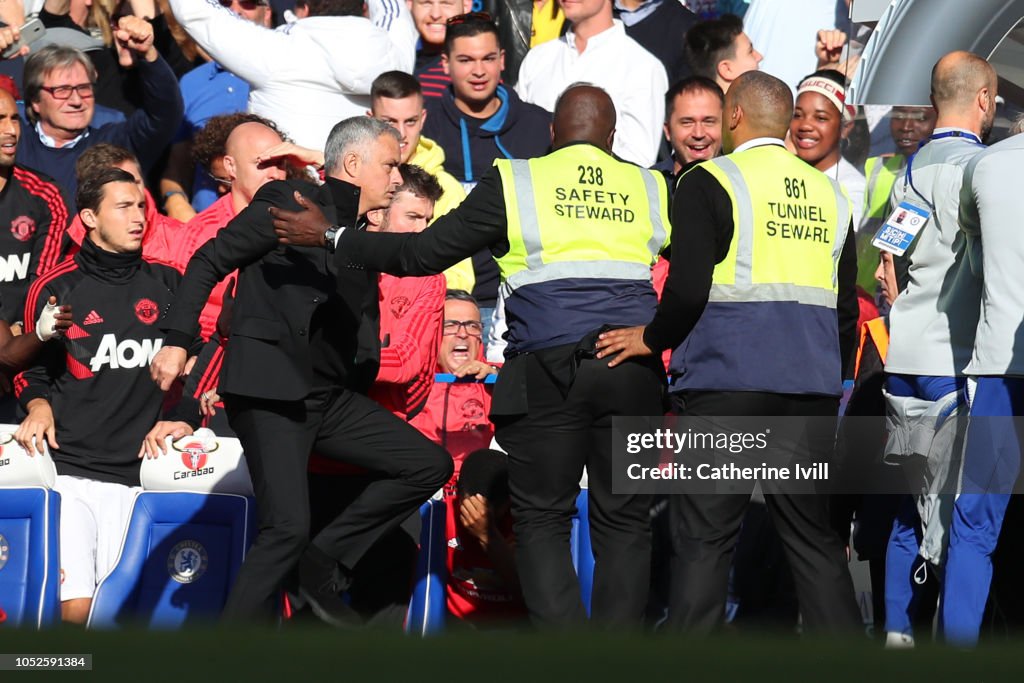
(331, 237)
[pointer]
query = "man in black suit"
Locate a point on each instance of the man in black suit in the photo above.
(553, 404)
(303, 348)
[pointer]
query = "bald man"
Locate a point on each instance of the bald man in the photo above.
(933, 322)
(757, 301)
(247, 175)
(575, 234)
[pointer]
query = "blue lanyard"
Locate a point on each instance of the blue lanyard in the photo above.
(971, 137)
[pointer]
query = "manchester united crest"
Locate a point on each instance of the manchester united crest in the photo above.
(146, 311)
(23, 227)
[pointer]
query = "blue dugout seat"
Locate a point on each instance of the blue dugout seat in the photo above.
(186, 539)
(29, 527)
(428, 609)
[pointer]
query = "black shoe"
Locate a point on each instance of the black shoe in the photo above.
(321, 583)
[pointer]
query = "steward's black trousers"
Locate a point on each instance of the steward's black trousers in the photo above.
(278, 437)
(548, 448)
(705, 527)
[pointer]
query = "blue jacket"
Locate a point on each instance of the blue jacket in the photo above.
(147, 132)
(517, 131)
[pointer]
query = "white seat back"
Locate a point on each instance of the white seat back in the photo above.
(203, 463)
(18, 469)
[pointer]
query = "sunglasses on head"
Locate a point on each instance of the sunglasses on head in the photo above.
(247, 5)
(468, 16)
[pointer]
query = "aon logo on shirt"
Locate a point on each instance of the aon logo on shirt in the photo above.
(14, 267)
(124, 354)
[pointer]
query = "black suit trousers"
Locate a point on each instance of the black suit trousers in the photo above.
(548, 449)
(705, 527)
(278, 437)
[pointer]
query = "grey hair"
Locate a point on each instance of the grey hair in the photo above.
(354, 135)
(1017, 127)
(47, 60)
(460, 295)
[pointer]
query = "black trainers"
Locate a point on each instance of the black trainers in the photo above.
(321, 583)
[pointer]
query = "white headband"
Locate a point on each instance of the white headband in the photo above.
(832, 91)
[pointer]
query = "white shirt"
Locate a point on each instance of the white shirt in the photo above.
(632, 76)
(52, 143)
(306, 76)
(758, 142)
(854, 183)
(784, 31)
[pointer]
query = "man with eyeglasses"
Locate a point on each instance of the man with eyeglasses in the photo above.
(314, 72)
(456, 412)
(60, 103)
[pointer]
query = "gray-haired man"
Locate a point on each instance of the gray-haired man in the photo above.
(303, 348)
(60, 103)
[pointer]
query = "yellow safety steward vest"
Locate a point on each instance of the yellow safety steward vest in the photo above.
(790, 225)
(584, 230)
(881, 173)
(579, 212)
(770, 322)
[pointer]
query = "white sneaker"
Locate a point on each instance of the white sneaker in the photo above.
(898, 641)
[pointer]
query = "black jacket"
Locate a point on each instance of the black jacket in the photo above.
(33, 222)
(97, 378)
(298, 322)
(663, 34)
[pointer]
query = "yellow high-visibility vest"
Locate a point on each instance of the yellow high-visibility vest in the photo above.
(584, 229)
(791, 222)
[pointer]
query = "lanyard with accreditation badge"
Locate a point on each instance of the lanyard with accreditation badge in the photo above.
(909, 218)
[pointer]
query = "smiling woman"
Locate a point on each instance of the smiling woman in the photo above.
(821, 121)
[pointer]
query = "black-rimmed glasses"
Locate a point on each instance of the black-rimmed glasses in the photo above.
(474, 328)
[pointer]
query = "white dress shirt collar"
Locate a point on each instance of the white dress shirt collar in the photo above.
(597, 41)
(758, 142)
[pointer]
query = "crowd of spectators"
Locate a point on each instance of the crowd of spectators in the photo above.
(203, 102)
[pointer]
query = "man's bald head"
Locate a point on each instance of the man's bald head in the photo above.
(757, 105)
(583, 113)
(248, 134)
(957, 79)
(241, 151)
